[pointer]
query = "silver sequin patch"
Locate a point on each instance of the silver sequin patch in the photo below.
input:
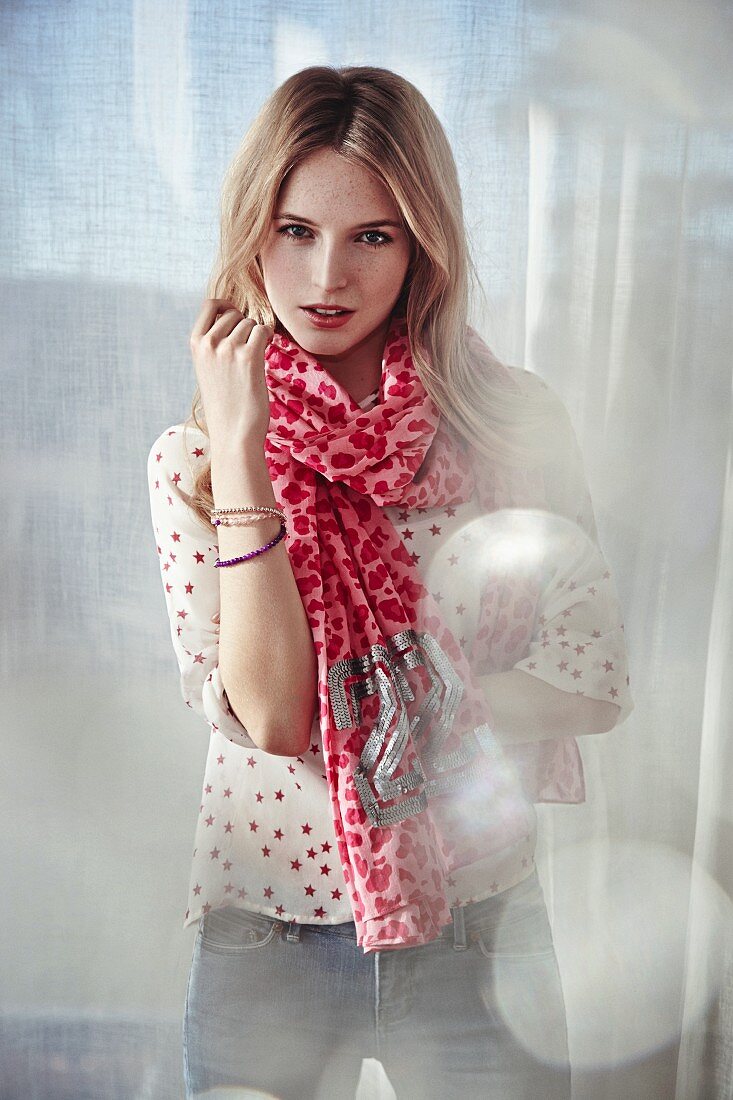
(429, 727)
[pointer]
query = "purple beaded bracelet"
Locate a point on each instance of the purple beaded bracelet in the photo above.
(253, 553)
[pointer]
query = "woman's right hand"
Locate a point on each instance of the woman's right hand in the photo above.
(228, 351)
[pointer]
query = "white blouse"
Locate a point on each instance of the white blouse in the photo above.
(264, 838)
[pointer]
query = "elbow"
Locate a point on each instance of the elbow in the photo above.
(279, 735)
(285, 742)
(606, 716)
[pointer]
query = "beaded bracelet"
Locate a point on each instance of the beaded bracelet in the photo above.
(254, 553)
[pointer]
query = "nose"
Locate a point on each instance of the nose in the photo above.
(329, 267)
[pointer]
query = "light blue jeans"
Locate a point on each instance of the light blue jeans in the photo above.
(289, 1010)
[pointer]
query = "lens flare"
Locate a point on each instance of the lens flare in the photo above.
(621, 949)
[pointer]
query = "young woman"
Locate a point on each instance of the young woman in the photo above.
(387, 600)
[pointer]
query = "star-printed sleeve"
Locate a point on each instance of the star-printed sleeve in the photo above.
(187, 551)
(578, 643)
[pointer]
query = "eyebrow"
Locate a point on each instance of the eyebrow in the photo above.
(364, 225)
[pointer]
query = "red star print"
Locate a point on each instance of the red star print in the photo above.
(189, 588)
(279, 796)
(295, 864)
(251, 761)
(259, 796)
(326, 847)
(266, 852)
(319, 912)
(226, 864)
(310, 891)
(267, 892)
(325, 869)
(435, 530)
(279, 910)
(311, 853)
(214, 853)
(253, 826)
(199, 557)
(307, 828)
(336, 894)
(278, 834)
(228, 792)
(176, 537)
(407, 534)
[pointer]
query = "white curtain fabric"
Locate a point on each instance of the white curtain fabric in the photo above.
(594, 146)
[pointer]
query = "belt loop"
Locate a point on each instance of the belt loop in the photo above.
(293, 932)
(459, 929)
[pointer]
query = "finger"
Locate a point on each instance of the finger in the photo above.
(260, 337)
(208, 313)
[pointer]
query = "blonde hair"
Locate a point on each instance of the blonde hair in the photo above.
(377, 119)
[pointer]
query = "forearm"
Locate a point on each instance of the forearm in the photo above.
(526, 708)
(267, 658)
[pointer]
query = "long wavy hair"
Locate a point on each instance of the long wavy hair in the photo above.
(379, 120)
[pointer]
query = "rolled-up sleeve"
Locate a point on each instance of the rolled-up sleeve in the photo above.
(187, 550)
(578, 644)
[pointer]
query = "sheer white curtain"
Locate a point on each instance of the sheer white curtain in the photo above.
(594, 146)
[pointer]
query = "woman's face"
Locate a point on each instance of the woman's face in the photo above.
(336, 239)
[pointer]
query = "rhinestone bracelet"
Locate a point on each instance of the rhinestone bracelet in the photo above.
(216, 512)
(254, 553)
(246, 521)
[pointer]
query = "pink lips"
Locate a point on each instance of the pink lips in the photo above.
(319, 321)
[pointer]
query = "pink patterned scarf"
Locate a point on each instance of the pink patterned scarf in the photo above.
(418, 784)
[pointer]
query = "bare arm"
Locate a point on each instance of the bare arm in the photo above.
(267, 658)
(526, 708)
(266, 653)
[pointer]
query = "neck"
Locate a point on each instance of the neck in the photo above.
(359, 370)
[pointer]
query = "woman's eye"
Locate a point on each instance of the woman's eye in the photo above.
(376, 233)
(285, 229)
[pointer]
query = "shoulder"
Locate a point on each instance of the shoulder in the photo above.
(181, 444)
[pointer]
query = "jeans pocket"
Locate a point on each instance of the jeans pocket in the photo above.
(516, 925)
(231, 930)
